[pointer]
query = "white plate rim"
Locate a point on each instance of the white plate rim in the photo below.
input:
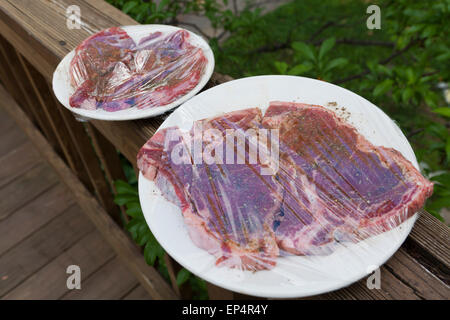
(62, 92)
(145, 185)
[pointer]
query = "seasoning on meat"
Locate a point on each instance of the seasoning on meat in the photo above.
(331, 185)
(111, 72)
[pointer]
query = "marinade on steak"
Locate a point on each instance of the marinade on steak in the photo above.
(110, 71)
(337, 185)
(229, 209)
(332, 186)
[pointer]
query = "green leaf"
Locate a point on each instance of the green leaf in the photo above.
(410, 75)
(364, 85)
(133, 227)
(438, 130)
(335, 63)
(383, 87)
(134, 209)
(440, 203)
(383, 69)
(447, 148)
(144, 238)
(161, 5)
(429, 31)
(372, 65)
(443, 56)
(414, 28)
(129, 6)
(281, 66)
(150, 253)
(182, 276)
(402, 42)
(300, 69)
(134, 224)
(429, 98)
(443, 178)
(130, 174)
(124, 188)
(123, 199)
(305, 50)
(407, 94)
(443, 111)
(143, 228)
(326, 46)
(140, 16)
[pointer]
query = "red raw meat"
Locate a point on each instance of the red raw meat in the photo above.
(229, 209)
(332, 186)
(337, 185)
(109, 71)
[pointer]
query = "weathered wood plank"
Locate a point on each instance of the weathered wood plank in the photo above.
(137, 293)
(89, 253)
(70, 129)
(33, 216)
(7, 76)
(110, 162)
(91, 163)
(43, 246)
(5, 71)
(390, 288)
(217, 293)
(356, 291)
(11, 138)
(25, 188)
(112, 281)
(15, 32)
(432, 236)
(402, 277)
(17, 161)
(5, 123)
(116, 237)
(75, 162)
(108, 155)
(39, 92)
(423, 283)
(23, 93)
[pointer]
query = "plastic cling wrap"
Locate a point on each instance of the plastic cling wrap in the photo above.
(112, 71)
(296, 180)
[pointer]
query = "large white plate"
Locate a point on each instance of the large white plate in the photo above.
(63, 90)
(293, 276)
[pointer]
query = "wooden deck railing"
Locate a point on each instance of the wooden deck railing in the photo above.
(33, 39)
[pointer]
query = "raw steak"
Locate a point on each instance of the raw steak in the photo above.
(110, 71)
(331, 185)
(337, 185)
(229, 209)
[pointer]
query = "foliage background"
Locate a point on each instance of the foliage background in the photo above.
(402, 68)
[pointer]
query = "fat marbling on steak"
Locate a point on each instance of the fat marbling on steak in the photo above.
(332, 185)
